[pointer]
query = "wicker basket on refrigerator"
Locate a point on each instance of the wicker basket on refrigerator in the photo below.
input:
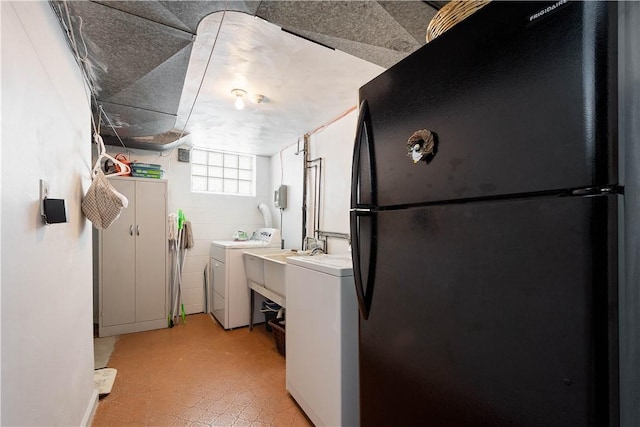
(450, 14)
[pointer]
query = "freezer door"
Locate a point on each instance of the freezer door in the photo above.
(493, 314)
(518, 104)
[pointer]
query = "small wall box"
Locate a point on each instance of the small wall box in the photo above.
(54, 211)
(183, 155)
(280, 197)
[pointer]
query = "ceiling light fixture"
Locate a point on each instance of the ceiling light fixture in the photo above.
(239, 93)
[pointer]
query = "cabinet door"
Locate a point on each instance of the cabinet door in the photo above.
(151, 246)
(118, 291)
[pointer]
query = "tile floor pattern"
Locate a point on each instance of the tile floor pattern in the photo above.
(198, 374)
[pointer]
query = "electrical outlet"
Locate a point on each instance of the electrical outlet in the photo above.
(44, 193)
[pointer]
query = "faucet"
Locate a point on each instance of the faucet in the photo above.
(315, 246)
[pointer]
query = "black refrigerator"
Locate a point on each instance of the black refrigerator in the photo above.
(488, 224)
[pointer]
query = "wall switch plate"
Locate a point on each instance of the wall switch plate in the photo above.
(44, 193)
(183, 155)
(55, 211)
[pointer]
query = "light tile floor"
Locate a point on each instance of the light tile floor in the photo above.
(198, 374)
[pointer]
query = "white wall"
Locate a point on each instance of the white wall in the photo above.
(214, 217)
(286, 169)
(1, 231)
(335, 145)
(47, 333)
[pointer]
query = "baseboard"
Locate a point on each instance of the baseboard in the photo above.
(127, 328)
(91, 409)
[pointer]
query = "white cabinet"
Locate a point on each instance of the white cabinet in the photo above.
(132, 256)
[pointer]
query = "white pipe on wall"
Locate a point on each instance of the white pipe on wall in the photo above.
(264, 209)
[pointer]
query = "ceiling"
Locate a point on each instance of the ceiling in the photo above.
(163, 71)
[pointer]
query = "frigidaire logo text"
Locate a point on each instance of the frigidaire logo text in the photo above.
(546, 10)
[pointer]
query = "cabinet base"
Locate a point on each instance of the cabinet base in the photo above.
(106, 331)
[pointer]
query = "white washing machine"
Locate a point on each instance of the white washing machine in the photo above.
(229, 295)
(322, 338)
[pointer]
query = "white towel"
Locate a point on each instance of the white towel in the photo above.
(173, 227)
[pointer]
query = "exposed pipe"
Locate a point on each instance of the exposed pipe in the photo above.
(317, 196)
(305, 149)
(332, 234)
(298, 150)
(314, 217)
(305, 173)
(282, 230)
(204, 73)
(316, 200)
(319, 128)
(319, 191)
(266, 214)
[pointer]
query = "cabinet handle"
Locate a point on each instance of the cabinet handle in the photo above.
(137, 230)
(131, 230)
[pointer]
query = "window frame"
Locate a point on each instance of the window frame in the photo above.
(218, 170)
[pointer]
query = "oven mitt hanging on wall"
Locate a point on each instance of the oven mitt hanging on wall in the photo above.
(102, 204)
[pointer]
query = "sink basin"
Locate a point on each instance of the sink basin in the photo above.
(274, 272)
(279, 258)
(268, 269)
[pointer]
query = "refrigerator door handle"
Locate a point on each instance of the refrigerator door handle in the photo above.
(363, 186)
(363, 215)
(364, 291)
(355, 161)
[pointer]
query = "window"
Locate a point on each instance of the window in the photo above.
(223, 173)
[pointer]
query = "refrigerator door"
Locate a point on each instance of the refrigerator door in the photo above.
(520, 102)
(493, 314)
